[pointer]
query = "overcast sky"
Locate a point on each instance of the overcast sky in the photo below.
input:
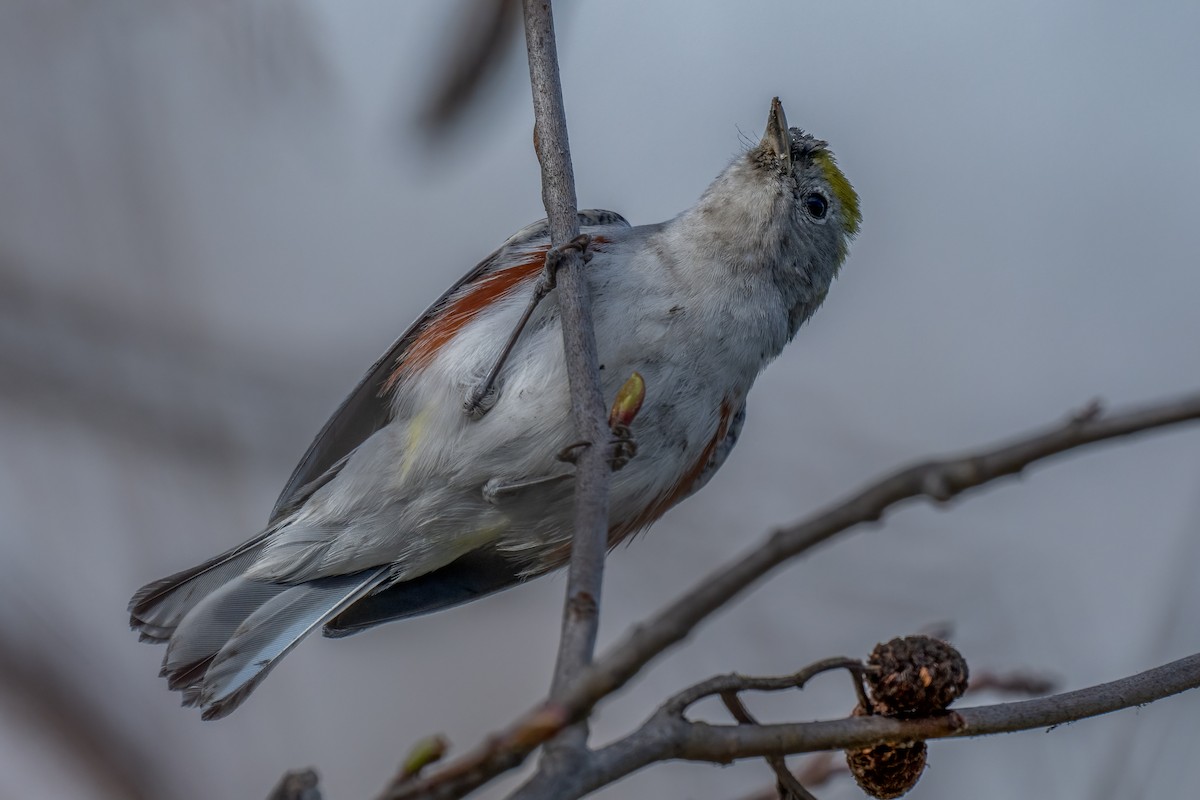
(218, 219)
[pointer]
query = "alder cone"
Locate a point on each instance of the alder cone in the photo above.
(887, 771)
(915, 675)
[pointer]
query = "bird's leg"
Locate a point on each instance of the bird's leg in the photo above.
(622, 447)
(497, 492)
(482, 396)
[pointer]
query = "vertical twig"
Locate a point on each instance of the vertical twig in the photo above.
(787, 785)
(581, 612)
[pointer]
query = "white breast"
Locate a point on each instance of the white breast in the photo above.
(698, 332)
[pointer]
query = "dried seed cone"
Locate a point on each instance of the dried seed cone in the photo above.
(915, 675)
(885, 771)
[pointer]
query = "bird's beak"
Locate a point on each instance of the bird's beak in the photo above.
(778, 139)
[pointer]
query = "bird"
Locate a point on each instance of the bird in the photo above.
(444, 476)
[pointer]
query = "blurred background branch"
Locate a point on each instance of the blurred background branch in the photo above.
(481, 36)
(51, 699)
(144, 380)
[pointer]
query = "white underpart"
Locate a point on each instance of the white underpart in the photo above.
(699, 329)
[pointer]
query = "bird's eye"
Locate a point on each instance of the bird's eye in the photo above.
(816, 205)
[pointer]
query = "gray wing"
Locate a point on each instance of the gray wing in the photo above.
(478, 573)
(367, 409)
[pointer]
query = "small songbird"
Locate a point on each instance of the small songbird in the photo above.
(442, 477)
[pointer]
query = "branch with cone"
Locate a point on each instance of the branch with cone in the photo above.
(666, 735)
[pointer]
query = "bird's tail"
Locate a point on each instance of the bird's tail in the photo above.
(224, 631)
(157, 608)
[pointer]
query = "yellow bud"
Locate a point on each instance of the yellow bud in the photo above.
(628, 402)
(424, 753)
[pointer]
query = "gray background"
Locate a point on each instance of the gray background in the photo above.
(213, 216)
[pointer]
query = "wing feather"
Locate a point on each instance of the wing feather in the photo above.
(367, 409)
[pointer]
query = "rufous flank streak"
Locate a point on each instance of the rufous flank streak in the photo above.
(558, 555)
(661, 504)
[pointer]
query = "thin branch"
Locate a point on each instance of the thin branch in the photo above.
(789, 786)
(820, 768)
(733, 682)
(940, 480)
(816, 771)
(581, 612)
(722, 743)
(669, 736)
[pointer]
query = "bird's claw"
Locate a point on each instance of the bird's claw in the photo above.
(570, 453)
(621, 448)
(480, 399)
(555, 256)
(483, 396)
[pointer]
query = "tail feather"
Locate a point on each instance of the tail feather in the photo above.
(212, 623)
(180, 680)
(157, 608)
(271, 631)
(224, 631)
